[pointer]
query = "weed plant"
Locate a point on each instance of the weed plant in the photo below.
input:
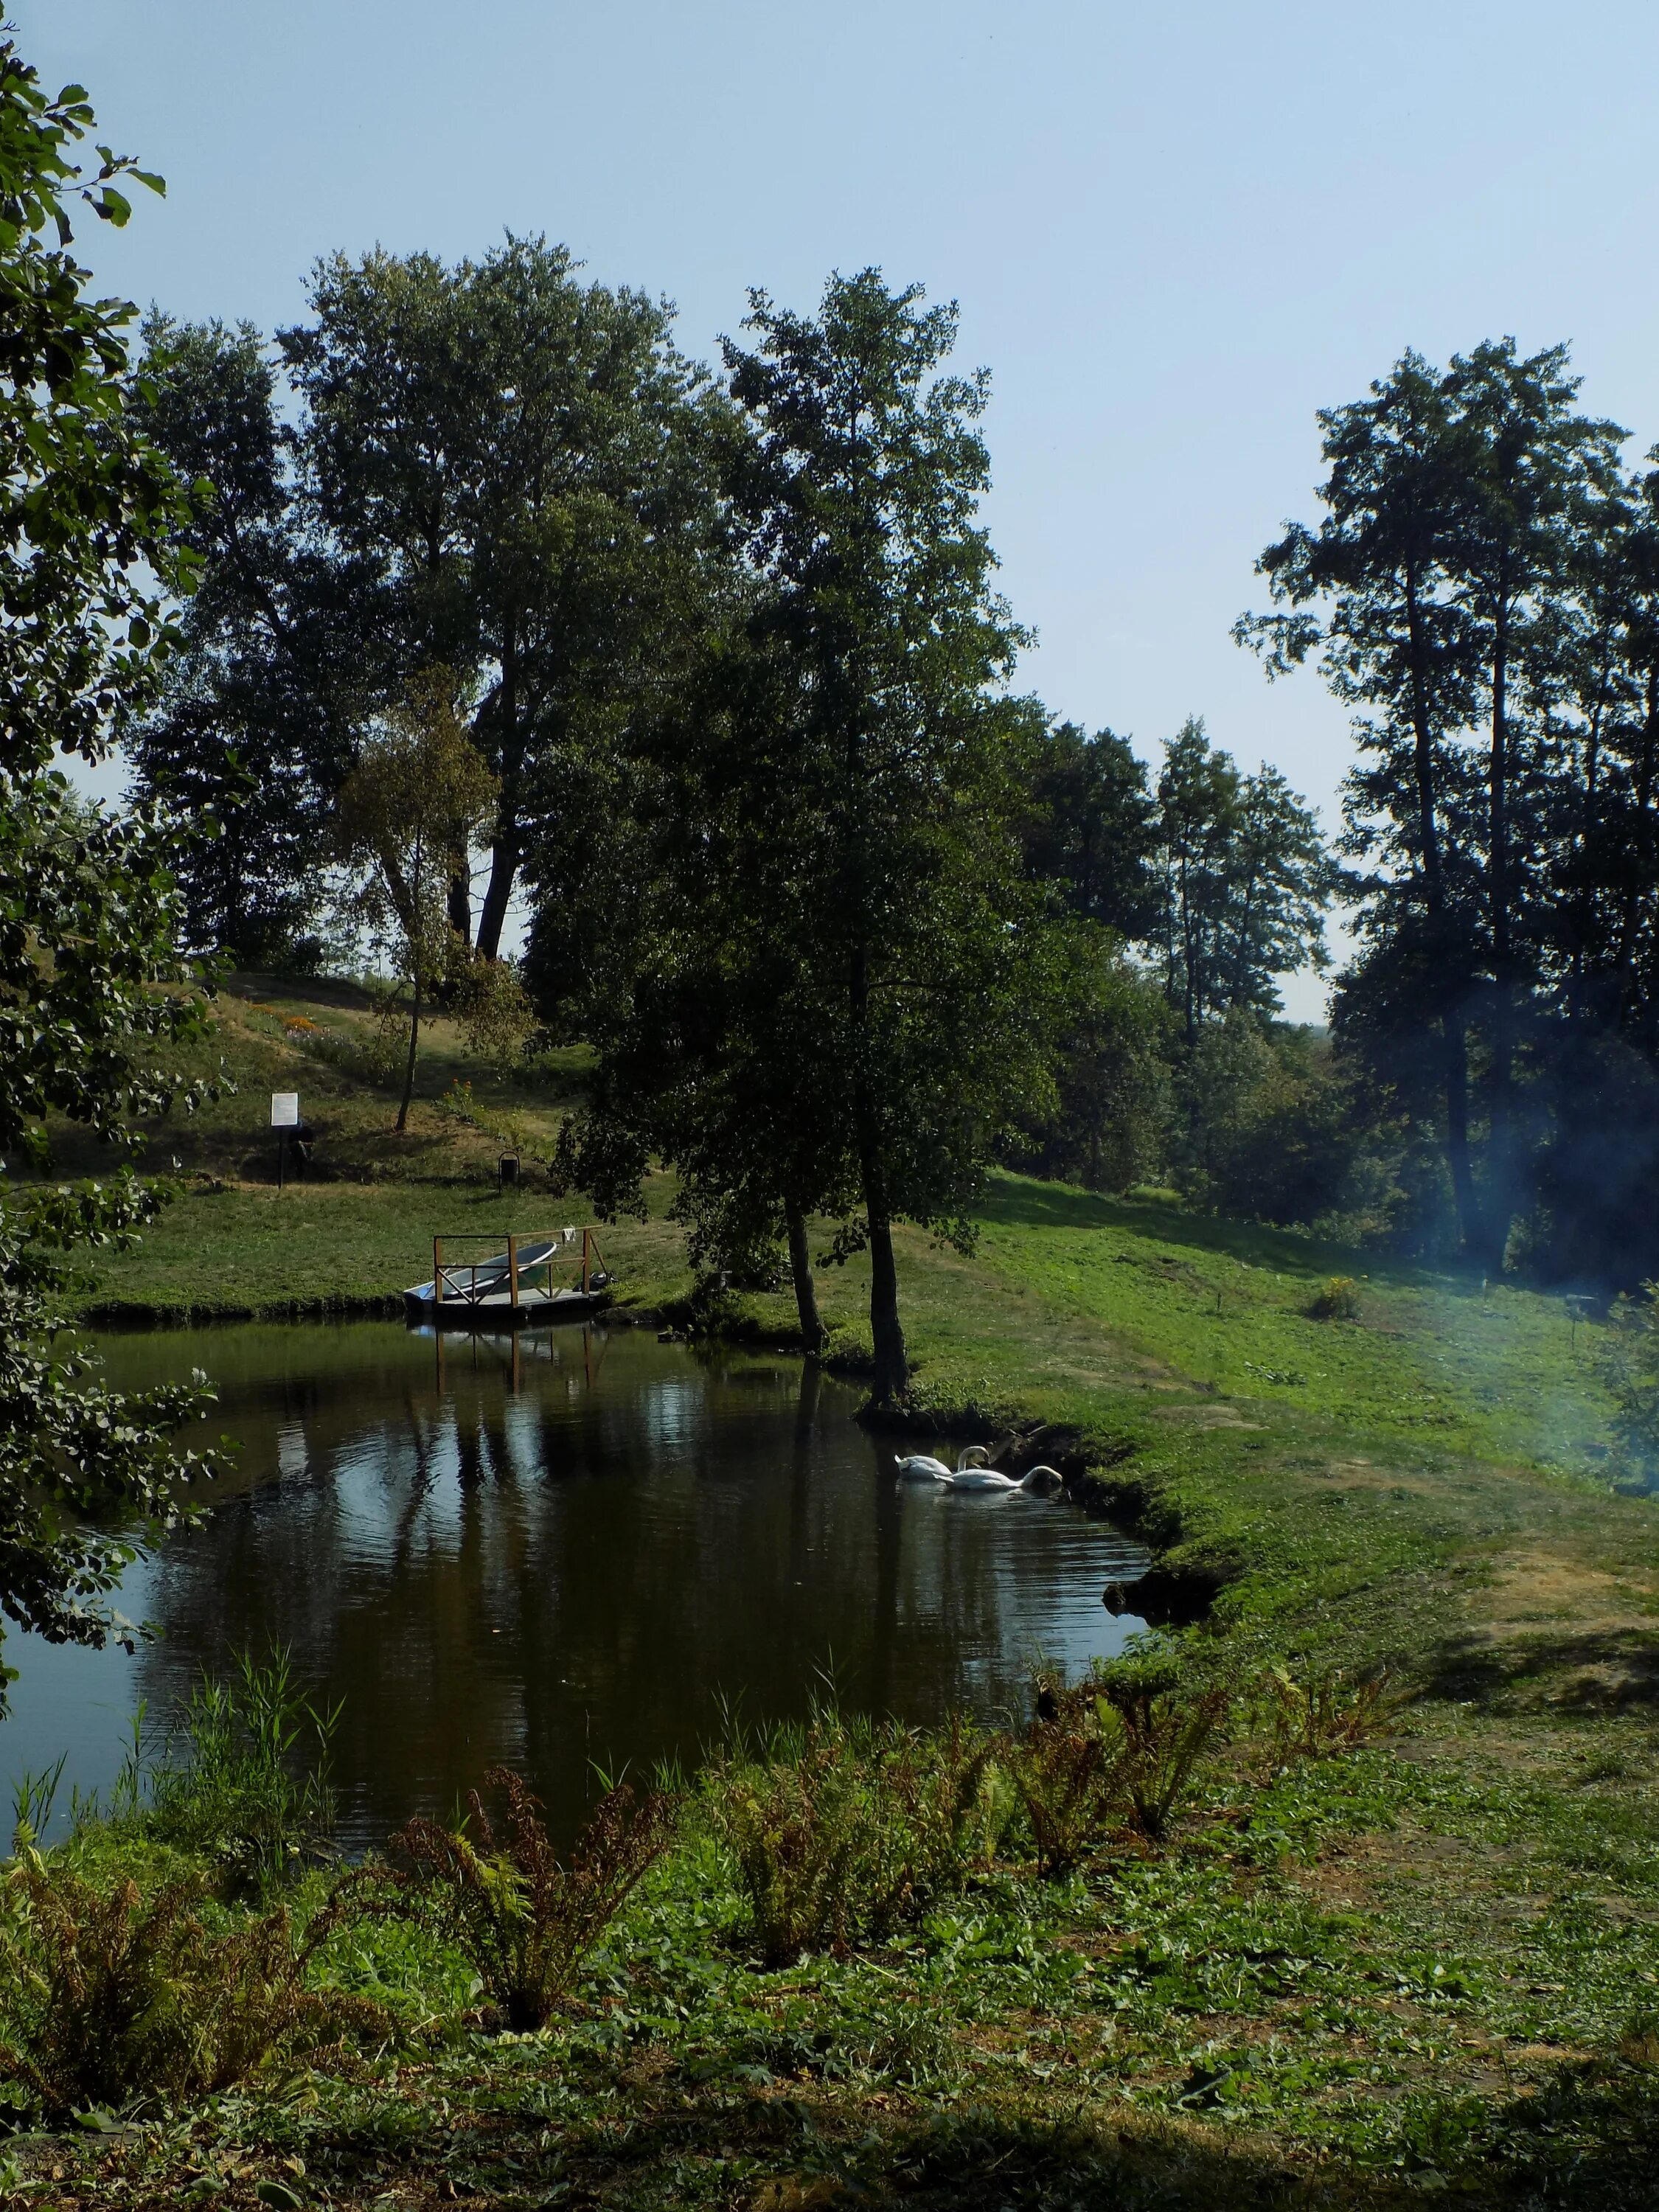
(106, 1994)
(841, 1828)
(243, 1777)
(1118, 1750)
(1321, 1711)
(523, 1917)
(1336, 1299)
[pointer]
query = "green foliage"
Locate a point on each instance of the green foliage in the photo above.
(523, 1917)
(841, 1829)
(90, 979)
(88, 506)
(1627, 1359)
(246, 745)
(1118, 1749)
(1244, 880)
(242, 1779)
(1314, 1712)
(406, 817)
(1336, 1299)
(106, 1994)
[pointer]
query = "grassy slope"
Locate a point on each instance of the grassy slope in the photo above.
(1426, 1962)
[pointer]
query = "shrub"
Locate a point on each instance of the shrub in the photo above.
(523, 1918)
(243, 1776)
(105, 1993)
(1156, 1727)
(1116, 1750)
(1313, 1715)
(1338, 1299)
(840, 1829)
(1063, 1775)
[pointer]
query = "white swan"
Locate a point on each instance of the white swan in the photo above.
(979, 1476)
(919, 1467)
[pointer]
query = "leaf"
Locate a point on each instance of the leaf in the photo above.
(281, 2194)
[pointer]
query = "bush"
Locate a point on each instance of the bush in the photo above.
(523, 1918)
(244, 1777)
(1313, 1715)
(105, 1994)
(1156, 1727)
(1064, 1783)
(1116, 1750)
(1338, 1299)
(841, 1829)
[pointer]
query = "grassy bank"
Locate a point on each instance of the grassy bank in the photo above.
(1427, 1964)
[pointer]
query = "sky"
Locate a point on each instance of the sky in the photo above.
(1174, 231)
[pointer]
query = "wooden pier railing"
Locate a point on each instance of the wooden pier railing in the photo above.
(545, 1249)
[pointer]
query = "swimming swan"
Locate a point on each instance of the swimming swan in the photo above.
(973, 1474)
(920, 1469)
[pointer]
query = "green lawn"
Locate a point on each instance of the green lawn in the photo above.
(1430, 1966)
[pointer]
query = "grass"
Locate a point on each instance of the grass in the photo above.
(1421, 1964)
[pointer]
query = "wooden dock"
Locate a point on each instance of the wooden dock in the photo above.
(510, 1288)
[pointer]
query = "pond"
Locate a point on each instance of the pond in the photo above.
(583, 1551)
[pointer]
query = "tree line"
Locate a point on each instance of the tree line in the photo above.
(844, 913)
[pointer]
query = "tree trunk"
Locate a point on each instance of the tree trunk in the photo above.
(460, 901)
(409, 1065)
(892, 1375)
(806, 1296)
(1501, 1181)
(1472, 1232)
(1471, 1226)
(505, 855)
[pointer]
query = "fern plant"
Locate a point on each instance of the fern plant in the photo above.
(523, 1917)
(105, 1993)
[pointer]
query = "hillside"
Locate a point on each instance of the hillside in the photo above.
(1428, 1963)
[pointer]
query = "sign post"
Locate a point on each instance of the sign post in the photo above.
(284, 1116)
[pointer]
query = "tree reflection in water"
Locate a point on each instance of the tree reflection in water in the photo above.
(573, 1551)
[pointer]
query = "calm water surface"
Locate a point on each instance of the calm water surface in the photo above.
(574, 1557)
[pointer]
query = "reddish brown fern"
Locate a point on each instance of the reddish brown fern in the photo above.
(523, 1917)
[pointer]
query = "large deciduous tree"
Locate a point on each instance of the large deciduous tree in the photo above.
(253, 731)
(89, 976)
(854, 975)
(512, 472)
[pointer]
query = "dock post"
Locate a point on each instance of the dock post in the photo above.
(437, 1271)
(513, 1268)
(587, 1235)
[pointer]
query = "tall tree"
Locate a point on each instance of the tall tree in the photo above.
(87, 913)
(1449, 616)
(252, 734)
(511, 473)
(856, 974)
(1245, 880)
(1092, 828)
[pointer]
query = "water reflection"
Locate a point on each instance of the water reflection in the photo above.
(568, 1552)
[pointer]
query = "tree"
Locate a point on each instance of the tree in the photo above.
(87, 910)
(847, 983)
(1245, 880)
(252, 735)
(1447, 573)
(408, 814)
(1107, 1127)
(510, 474)
(1092, 828)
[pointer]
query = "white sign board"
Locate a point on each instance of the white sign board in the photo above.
(284, 1110)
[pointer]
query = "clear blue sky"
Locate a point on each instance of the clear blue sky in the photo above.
(1174, 230)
